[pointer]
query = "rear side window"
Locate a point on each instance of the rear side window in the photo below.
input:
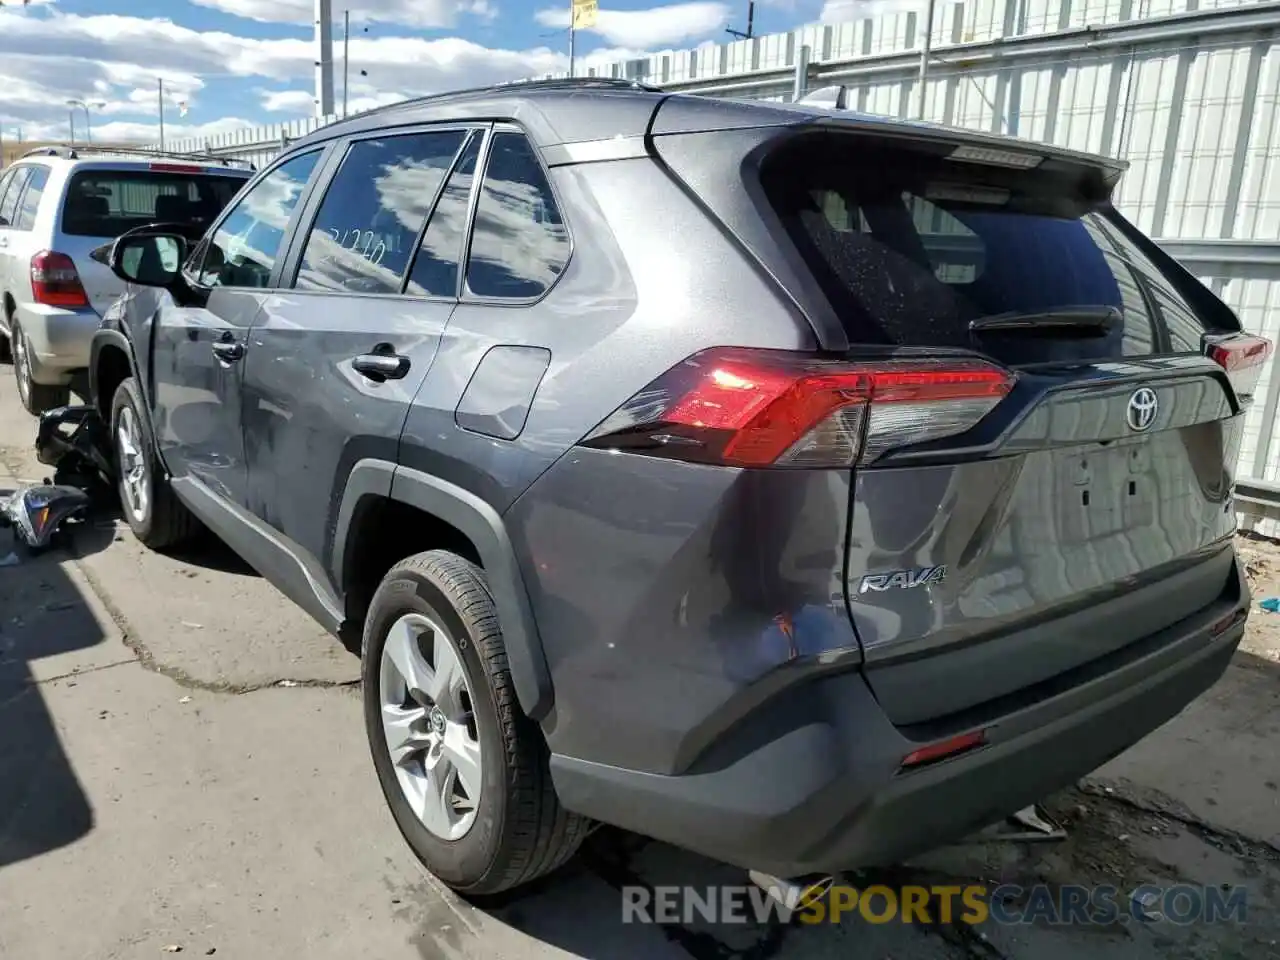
(519, 244)
(12, 193)
(910, 249)
(30, 204)
(367, 227)
(106, 203)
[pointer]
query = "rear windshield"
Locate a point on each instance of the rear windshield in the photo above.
(911, 248)
(106, 203)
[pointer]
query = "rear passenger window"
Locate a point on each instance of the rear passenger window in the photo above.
(519, 244)
(368, 223)
(31, 198)
(435, 269)
(9, 204)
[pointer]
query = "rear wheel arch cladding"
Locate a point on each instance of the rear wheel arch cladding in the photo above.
(484, 528)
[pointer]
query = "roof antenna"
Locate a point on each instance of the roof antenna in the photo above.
(751, 23)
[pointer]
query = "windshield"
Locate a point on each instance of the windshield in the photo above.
(106, 203)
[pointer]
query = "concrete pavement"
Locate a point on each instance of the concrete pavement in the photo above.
(182, 765)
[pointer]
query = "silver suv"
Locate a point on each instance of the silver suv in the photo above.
(57, 205)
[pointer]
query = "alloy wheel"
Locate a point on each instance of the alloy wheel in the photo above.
(133, 465)
(428, 719)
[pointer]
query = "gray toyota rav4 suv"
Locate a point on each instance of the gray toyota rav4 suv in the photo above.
(800, 487)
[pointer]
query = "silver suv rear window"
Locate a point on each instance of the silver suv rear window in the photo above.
(106, 203)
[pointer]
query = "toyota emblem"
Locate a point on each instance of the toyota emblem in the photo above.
(1142, 409)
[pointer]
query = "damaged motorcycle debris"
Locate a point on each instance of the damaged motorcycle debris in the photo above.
(74, 441)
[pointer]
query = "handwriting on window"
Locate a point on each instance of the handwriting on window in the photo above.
(365, 243)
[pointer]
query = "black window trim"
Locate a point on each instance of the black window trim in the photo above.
(340, 148)
(482, 171)
(202, 247)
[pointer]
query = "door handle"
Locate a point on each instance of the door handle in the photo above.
(228, 352)
(381, 366)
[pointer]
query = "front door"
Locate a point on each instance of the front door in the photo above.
(342, 345)
(200, 350)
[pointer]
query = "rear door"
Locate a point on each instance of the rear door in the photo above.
(103, 200)
(1083, 503)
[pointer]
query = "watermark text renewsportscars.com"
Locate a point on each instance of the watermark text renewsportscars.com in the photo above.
(1007, 904)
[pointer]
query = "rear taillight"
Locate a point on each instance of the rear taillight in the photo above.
(55, 281)
(1242, 356)
(758, 408)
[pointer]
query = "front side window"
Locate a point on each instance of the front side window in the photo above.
(364, 234)
(519, 244)
(244, 249)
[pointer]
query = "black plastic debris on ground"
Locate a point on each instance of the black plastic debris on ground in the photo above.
(75, 442)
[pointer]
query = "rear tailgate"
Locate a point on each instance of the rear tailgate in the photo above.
(103, 200)
(1087, 509)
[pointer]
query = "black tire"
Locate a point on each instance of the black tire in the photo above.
(37, 398)
(163, 521)
(521, 832)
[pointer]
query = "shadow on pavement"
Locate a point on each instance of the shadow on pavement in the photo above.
(44, 621)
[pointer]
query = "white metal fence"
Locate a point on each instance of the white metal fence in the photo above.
(1188, 91)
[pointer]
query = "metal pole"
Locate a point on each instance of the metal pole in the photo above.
(571, 36)
(346, 57)
(160, 85)
(800, 83)
(71, 116)
(324, 58)
(926, 49)
(88, 125)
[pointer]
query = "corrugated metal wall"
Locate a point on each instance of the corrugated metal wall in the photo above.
(1188, 91)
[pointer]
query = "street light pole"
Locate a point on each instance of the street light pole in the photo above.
(346, 57)
(71, 118)
(926, 52)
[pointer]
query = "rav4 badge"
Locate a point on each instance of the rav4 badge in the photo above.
(902, 579)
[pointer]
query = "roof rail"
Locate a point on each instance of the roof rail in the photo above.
(549, 83)
(92, 150)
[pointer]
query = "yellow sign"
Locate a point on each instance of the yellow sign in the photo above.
(584, 14)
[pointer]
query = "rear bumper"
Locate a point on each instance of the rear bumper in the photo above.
(59, 338)
(812, 783)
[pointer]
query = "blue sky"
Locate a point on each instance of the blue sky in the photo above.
(238, 63)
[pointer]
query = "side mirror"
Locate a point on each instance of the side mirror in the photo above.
(148, 259)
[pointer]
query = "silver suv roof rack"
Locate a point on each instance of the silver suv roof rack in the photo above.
(90, 150)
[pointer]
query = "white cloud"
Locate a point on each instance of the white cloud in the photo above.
(655, 27)
(844, 11)
(424, 14)
(48, 58)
